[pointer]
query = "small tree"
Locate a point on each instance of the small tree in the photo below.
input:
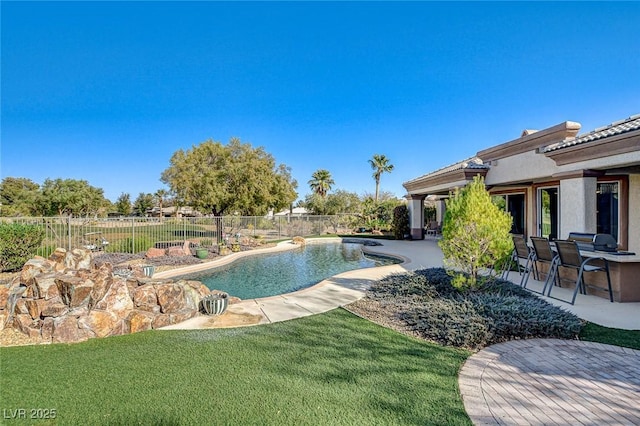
(161, 194)
(123, 204)
(143, 203)
(475, 232)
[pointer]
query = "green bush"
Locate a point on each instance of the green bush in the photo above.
(129, 245)
(492, 312)
(400, 222)
(18, 243)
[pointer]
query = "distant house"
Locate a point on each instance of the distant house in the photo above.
(553, 182)
(295, 212)
(171, 212)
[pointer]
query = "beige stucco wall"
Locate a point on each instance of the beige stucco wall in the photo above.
(577, 206)
(634, 213)
(520, 167)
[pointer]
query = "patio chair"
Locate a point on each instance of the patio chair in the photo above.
(433, 228)
(522, 252)
(545, 254)
(570, 257)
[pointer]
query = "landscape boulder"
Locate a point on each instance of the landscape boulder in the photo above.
(66, 298)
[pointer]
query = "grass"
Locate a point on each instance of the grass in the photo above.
(334, 368)
(612, 336)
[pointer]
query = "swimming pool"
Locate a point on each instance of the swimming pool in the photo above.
(266, 275)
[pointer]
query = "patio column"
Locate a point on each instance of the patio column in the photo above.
(577, 205)
(440, 209)
(416, 216)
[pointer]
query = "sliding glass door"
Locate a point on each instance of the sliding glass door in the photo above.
(548, 212)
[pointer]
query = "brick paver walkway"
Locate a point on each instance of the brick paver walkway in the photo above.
(549, 382)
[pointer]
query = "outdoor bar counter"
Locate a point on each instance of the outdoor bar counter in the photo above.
(624, 270)
(625, 275)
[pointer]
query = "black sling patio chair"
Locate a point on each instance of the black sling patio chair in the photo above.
(545, 254)
(570, 257)
(521, 252)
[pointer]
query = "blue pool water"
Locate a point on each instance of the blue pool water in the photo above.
(271, 274)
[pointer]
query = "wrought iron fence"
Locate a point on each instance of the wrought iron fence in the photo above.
(137, 234)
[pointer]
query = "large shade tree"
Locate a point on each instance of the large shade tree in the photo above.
(321, 182)
(337, 202)
(380, 164)
(225, 179)
(71, 197)
(18, 196)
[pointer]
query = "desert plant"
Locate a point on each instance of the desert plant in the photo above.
(18, 243)
(206, 242)
(475, 233)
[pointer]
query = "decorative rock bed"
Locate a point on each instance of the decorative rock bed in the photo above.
(66, 298)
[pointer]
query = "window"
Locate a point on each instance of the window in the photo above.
(514, 204)
(607, 215)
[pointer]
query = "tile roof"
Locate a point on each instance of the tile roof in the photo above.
(619, 127)
(469, 163)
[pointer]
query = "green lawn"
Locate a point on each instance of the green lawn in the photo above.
(334, 368)
(612, 336)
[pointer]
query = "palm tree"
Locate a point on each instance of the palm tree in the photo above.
(161, 195)
(321, 182)
(379, 163)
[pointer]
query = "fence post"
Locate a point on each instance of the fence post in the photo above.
(69, 232)
(279, 227)
(133, 234)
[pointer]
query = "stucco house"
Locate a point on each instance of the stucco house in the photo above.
(553, 182)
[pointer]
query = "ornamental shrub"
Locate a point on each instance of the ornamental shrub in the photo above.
(18, 243)
(400, 222)
(488, 313)
(475, 233)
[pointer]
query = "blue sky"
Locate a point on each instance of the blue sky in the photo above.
(107, 92)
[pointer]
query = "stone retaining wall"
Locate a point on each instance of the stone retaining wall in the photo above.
(66, 299)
